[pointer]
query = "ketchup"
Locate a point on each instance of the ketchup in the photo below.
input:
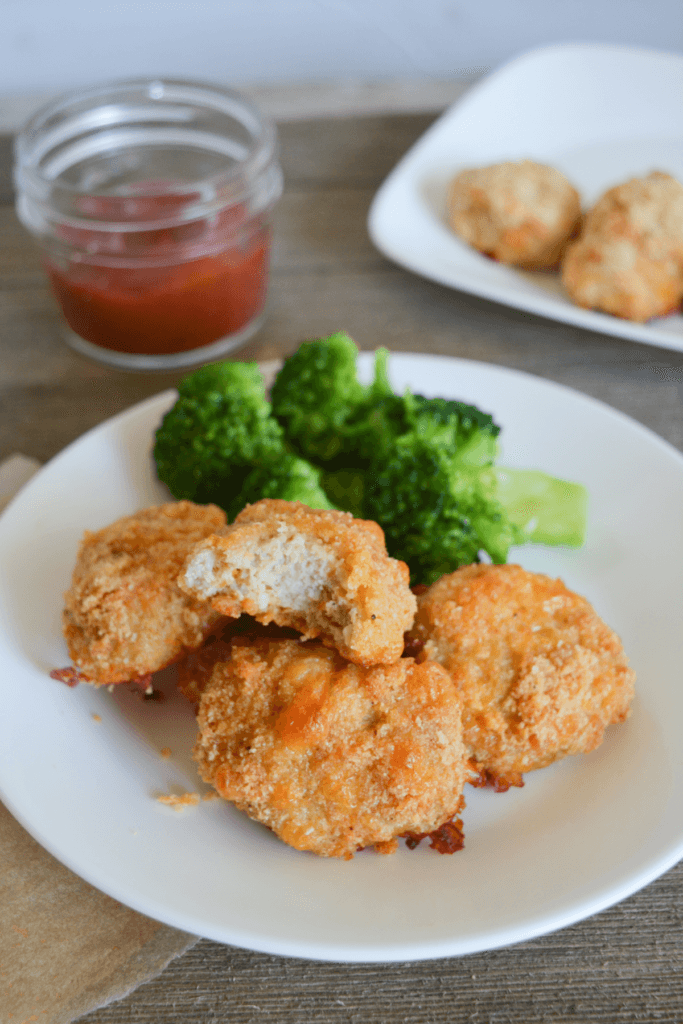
(164, 309)
(140, 293)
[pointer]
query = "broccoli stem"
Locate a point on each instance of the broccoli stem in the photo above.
(546, 510)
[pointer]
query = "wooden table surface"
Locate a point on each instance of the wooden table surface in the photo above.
(622, 965)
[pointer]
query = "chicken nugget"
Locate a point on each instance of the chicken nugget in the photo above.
(628, 260)
(196, 666)
(125, 615)
(540, 675)
(522, 214)
(331, 756)
(322, 573)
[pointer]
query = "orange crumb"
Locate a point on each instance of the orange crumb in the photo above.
(178, 802)
(97, 718)
(165, 751)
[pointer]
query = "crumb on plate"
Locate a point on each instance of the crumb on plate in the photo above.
(178, 801)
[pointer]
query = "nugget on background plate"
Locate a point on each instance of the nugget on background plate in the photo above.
(522, 214)
(331, 756)
(539, 673)
(628, 260)
(125, 615)
(323, 573)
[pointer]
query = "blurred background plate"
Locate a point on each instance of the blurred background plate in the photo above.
(601, 114)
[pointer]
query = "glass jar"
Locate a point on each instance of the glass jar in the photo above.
(152, 200)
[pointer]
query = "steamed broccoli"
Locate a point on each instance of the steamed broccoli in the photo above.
(330, 417)
(219, 429)
(545, 510)
(220, 443)
(437, 501)
(441, 500)
(470, 420)
(314, 394)
(375, 431)
(378, 418)
(424, 468)
(289, 478)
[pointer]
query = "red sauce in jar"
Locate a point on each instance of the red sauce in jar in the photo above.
(151, 201)
(173, 310)
(164, 307)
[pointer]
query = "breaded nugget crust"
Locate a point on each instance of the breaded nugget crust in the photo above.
(124, 614)
(628, 260)
(520, 213)
(539, 673)
(332, 757)
(195, 668)
(325, 574)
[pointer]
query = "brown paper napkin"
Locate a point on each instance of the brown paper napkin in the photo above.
(65, 948)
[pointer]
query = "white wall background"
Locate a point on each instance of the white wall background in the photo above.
(47, 46)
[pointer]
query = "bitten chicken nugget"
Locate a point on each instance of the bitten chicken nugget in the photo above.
(125, 615)
(539, 674)
(628, 260)
(331, 756)
(322, 573)
(520, 213)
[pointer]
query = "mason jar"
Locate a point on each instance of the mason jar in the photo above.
(151, 200)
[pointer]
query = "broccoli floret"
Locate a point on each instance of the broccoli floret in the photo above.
(383, 416)
(370, 435)
(219, 429)
(441, 500)
(314, 394)
(378, 418)
(437, 502)
(346, 488)
(470, 420)
(290, 478)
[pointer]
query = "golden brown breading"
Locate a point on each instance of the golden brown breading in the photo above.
(522, 214)
(628, 260)
(331, 756)
(196, 667)
(539, 674)
(125, 615)
(322, 573)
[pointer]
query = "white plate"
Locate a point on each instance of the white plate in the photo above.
(578, 837)
(600, 114)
